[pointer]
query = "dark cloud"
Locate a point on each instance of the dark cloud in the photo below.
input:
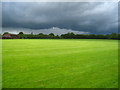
(90, 17)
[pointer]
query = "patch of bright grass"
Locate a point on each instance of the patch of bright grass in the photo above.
(47, 63)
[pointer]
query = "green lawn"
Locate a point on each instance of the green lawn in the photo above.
(47, 63)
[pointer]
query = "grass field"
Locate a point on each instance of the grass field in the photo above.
(44, 63)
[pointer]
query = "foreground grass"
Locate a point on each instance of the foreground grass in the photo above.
(47, 63)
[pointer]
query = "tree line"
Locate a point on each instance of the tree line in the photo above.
(69, 35)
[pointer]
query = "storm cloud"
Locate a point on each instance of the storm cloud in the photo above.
(92, 17)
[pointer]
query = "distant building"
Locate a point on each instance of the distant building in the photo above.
(10, 36)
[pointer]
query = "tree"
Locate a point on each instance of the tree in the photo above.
(72, 34)
(5, 32)
(51, 34)
(41, 34)
(100, 36)
(92, 36)
(21, 33)
(119, 36)
(114, 36)
(108, 36)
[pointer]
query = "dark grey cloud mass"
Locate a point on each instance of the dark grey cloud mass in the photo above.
(92, 17)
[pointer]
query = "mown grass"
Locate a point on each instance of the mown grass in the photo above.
(44, 63)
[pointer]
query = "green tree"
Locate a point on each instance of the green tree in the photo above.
(51, 34)
(21, 33)
(5, 32)
(41, 34)
(114, 36)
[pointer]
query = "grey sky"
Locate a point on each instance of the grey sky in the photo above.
(79, 17)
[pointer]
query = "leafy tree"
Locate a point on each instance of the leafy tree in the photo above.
(40, 34)
(114, 36)
(92, 36)
(5, 32)
(119, 36)
(21, 33)
(51, 34)
(108, 36)
(100, 36)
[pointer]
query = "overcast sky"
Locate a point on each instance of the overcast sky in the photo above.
(60, 17)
